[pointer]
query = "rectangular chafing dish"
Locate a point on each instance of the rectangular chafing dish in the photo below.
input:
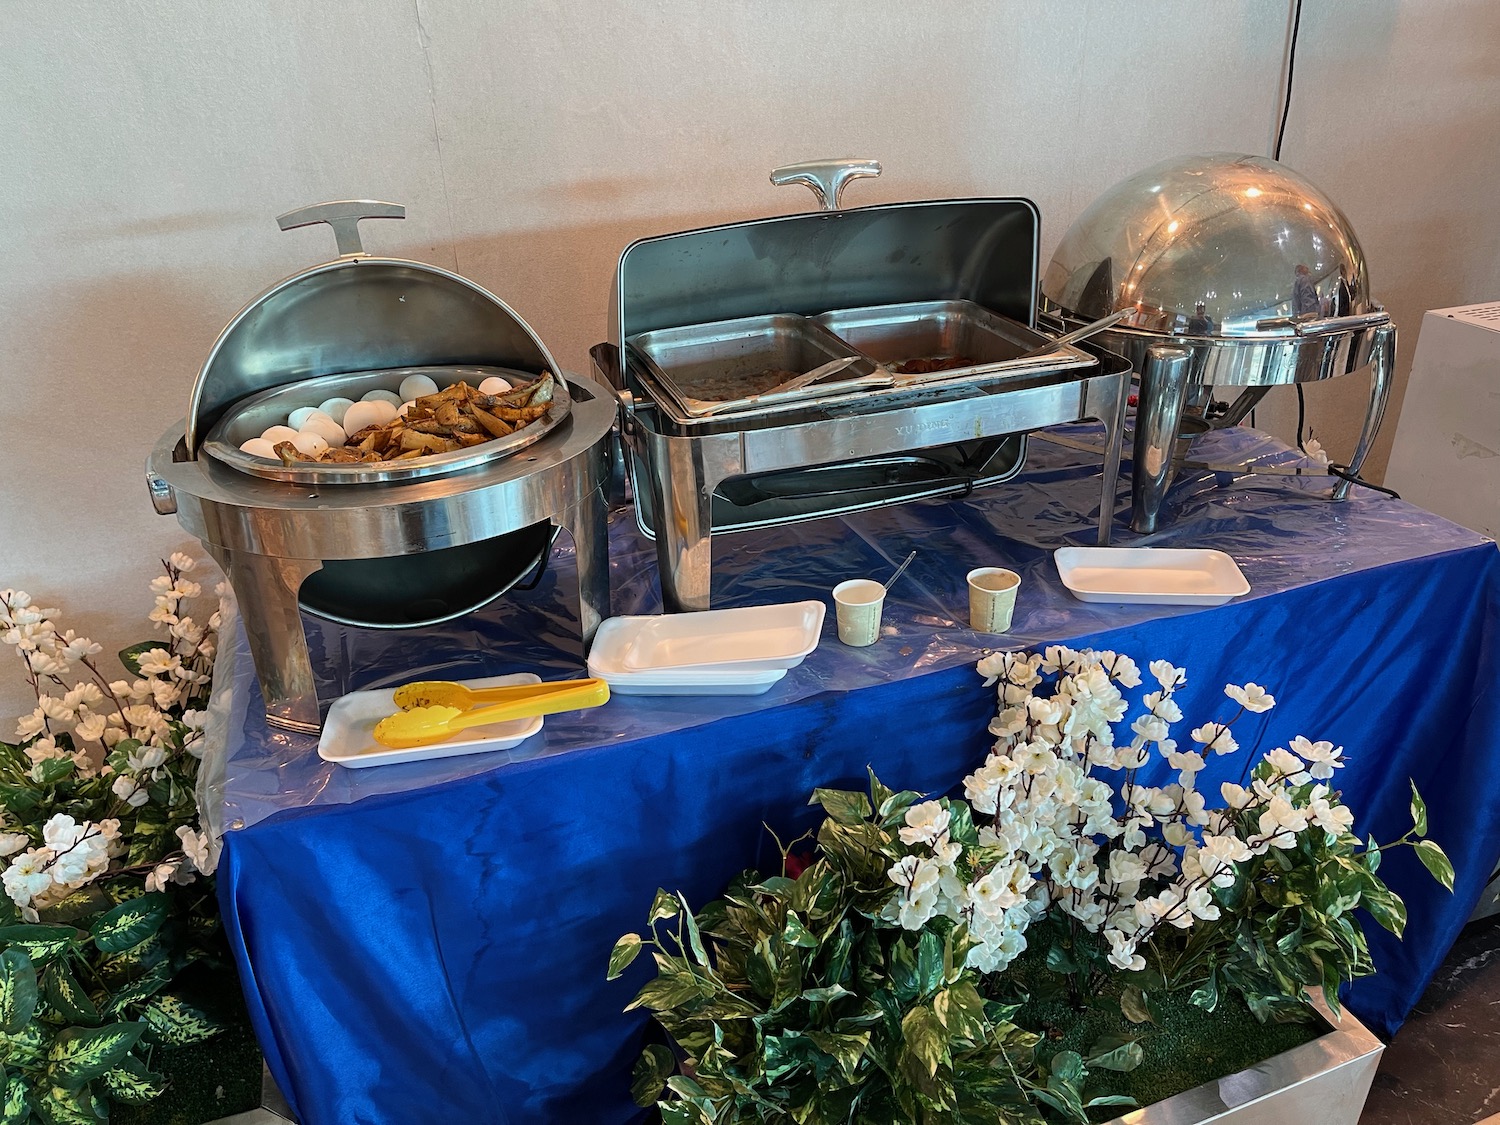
(960, 268)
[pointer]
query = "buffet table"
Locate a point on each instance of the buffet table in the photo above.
(428, 942)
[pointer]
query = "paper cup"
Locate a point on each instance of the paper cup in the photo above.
(992, 598)
(858, 604)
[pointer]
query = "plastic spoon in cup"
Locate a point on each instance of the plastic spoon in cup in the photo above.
(422, 726)
(900, 570)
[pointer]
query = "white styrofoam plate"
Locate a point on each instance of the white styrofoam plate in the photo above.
(348, 736)
(617, 634)
(772, 636)
(1150, 575)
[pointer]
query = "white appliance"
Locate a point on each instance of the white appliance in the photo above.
(1446, 456)
(1447, 452)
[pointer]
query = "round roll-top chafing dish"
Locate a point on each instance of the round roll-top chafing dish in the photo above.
(388, 544)
(1238, 263)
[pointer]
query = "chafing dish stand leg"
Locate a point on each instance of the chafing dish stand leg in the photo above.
(1382, 367)
(277, 643)
(1164, 379)
(1106, 399)
(687, 473)
(591, 551)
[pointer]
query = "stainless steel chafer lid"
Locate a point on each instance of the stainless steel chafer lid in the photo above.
(980, 250)
(1216, 245)
(357, 312)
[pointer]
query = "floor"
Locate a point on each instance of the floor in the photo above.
(1443, 1067)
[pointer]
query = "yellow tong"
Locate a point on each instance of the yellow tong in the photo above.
(432, 710)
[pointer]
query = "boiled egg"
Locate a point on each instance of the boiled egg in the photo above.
(335, 407)
(382, 396)
(277, 434)
(326, 428)
(259, 447)
(363, 414)
(309, 443)
(494, 385)
(301, 415)
(415, 386)
(403, 408)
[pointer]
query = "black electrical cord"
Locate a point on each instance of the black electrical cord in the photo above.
(1301, 416)
(1291, 65)
(1343, 473)
(1286, 112)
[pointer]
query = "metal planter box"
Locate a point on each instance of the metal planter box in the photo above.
(1323, 1082)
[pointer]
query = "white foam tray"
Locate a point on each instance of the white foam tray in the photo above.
(1150, 575)
(618, 634)
(348, 736)
(768, 636)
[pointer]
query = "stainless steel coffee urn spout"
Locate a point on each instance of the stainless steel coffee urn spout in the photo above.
(1247, 271)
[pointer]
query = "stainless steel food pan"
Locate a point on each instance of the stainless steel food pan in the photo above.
(718, 367)
(251, 418)
(897, 336)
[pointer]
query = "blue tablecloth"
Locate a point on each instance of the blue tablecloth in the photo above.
(427, 942)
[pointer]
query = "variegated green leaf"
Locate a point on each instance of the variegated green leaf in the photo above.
(60, 1106)
(27, 1047)
(39, 942)
(16, 1108)
(18, 993)
(67, 996)
(80, 904)
(131, 1082)
(130, 923)
(138, 991)
(176, 1024)
(79, 1055)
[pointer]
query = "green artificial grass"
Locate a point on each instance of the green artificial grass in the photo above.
(217, 1078)
(1185, 1048)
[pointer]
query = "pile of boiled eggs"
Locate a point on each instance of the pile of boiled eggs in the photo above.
(312, 429)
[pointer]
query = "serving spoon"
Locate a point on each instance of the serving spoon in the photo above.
(423, 725)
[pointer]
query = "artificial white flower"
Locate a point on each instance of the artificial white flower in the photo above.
(12, 842)
(161, 875)
(1280, 823)
(1168, 675)
(146, 758)
(1323, 757)
(1215, 737)
(32, 724)
(1186, 762)
(27, 876)
(1252, 697)
(44, 750)
(127, 790)
(1163, 706)
(1288, 766)
(90, 728)
(198, 848)
(1333, 819)
(925, 822)
(77, 648)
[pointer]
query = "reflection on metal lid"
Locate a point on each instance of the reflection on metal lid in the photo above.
(1210, 245)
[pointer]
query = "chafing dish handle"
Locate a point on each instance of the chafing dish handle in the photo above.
(343, 215)
(825, 178)
(163, 498)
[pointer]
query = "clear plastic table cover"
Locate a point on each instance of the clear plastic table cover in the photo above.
(1284, 532)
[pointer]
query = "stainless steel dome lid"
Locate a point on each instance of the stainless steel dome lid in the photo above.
(358, 313)
(1211, 245)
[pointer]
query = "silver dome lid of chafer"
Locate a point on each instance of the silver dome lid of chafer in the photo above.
(1211, 245)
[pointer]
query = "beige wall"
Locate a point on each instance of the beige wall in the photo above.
(145, 148)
